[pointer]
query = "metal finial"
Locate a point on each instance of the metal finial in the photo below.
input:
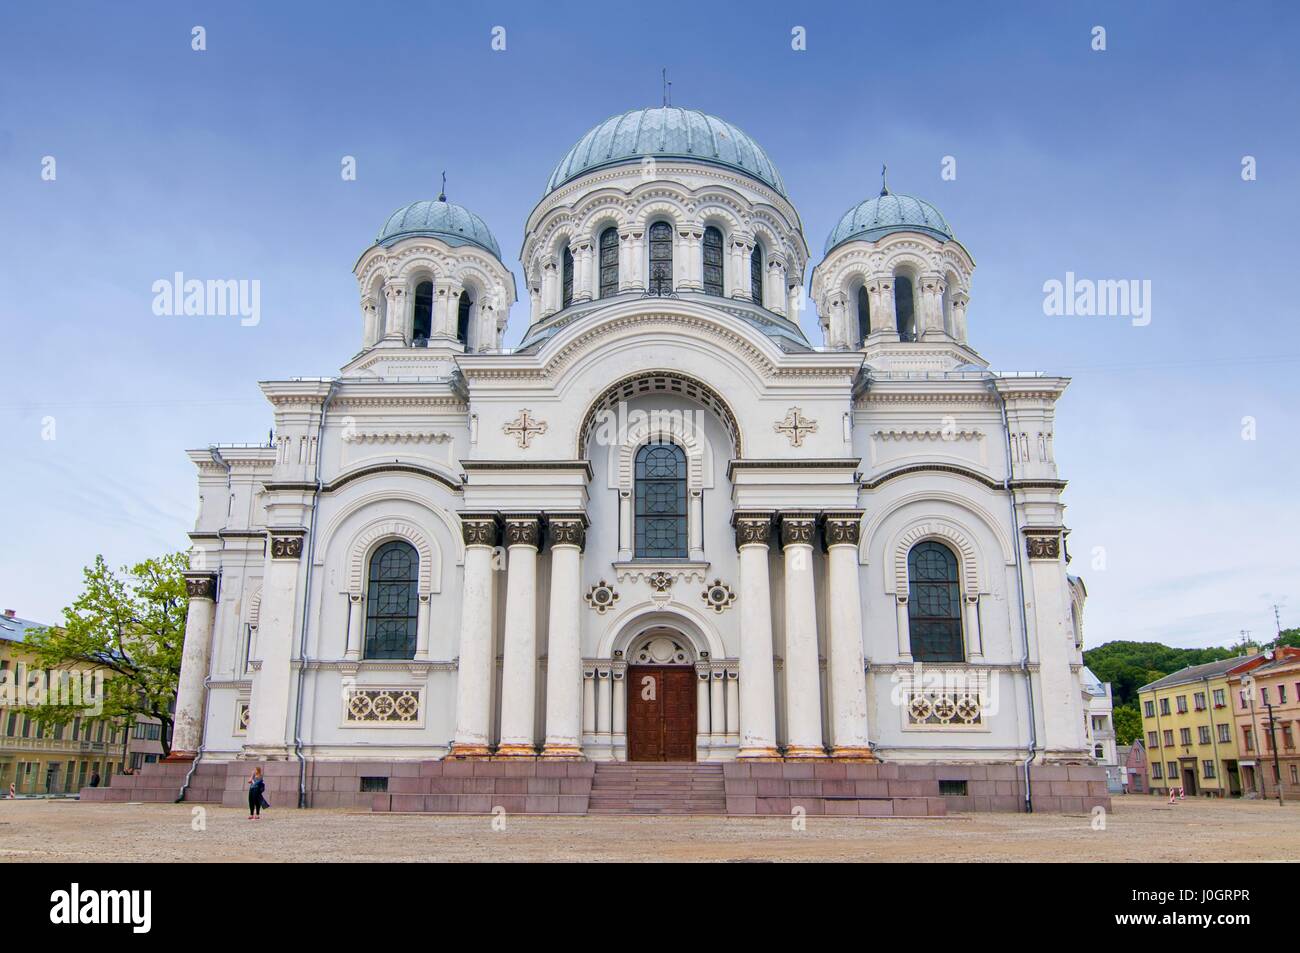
(664, 73)
(442, 196)
(884, 184)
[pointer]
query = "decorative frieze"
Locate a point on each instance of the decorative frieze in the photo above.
(201, 585)
(523, 531)
(752, 529)
(567, 530)
(383, 706)
(929, 709)
(480, 529)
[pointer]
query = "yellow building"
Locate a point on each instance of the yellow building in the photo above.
(39, 759)
(1187, 724)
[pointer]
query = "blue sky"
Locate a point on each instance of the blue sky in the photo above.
(225, 164)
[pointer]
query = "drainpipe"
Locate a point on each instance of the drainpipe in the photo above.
(306, 599)
(220, 461)
(1020, 586)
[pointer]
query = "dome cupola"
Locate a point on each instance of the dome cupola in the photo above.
(885, 213)
(454, 224)
(666, 132)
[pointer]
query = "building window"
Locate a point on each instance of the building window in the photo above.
(1263, 695)
(1225, 734)
(934, 604)
(864, 314)
(1218, 698)
(608, 262)
(1288, 741)
(661, 259)
(422, 326)
(904, 308)
(756, 274)
(1182, 704)
(1153, 740)
(1099, 751)
(1281, 694)
(1203, 733)
(1207, 769)
(1248, 737)
(661, 502)
(1242, 696)
(566, 278)
(1185, 735)
(1169, 737)
(1164, 706)
(1173, 770)
(1149, 709)
(712, 261)
(1198, 700)
(392, 601)
(1295, 777)
(1157, 770)
(462, 317)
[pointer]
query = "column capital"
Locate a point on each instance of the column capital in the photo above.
(753, 528)
(798, 528)
(1043, 542)
(842, 528)
(201, 585)
(567, 529)
(523, 529)
(480, 529)
(286, 543)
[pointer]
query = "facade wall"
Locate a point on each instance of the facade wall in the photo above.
(1190, 750)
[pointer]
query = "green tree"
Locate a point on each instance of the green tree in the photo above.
(1128, 724)
(1130, 665)
(130, 625)
(1288, 637)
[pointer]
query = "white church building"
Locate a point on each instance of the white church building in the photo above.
(665, 530)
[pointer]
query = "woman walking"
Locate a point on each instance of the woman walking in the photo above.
(256, 786)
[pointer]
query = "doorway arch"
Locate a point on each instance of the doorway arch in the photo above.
(662, 697)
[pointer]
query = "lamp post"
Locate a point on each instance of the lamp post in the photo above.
(1272, 740)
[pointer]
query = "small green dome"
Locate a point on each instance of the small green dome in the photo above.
(454, 224)
(668, 132)
(887, 213)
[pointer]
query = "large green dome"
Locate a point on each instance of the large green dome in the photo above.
(454, 224)
(668, 132)
(887, 213)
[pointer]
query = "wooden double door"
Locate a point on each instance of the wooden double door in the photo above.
(661, 713)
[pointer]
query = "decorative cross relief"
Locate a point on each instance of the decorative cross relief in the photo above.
(523, 428)
(796, 426)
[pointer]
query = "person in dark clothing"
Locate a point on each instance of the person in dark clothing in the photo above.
(94, 780)
(256, 787)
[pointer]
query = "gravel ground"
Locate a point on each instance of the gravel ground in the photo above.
(1138, 829)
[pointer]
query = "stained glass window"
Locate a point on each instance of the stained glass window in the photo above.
(566, 279)
(712, 261)
(462, 317)
(423, 325)
(661, 258)
(756, 275)
(934, 603)
(904, 308)
(661, 502)
(392, 601)
(864, 313)
(608, 262)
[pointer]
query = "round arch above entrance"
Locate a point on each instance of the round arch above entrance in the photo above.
(639, 623)
(660, 382)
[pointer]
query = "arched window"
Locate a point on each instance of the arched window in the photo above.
(756, 274)
(608, 262)
(712, 261)
(864, 313)
(392, 601)
(423, 325)
(661, 502)
(904, 308)
(566, 278)
(661, 259)
(934, 604)
(462, 317)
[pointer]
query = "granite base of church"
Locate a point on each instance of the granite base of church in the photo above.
(541, 787)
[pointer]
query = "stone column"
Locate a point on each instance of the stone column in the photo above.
(276, 631)
(618, 705)
(443, 321)
(794, 295)
(884, 319)
(395, 323)
(774, 290)
(696, 525)
(1062, 736)
(733, 706)
(718, 706)
(519, 664)
(839, 335)
(604, 705)
(702, 700)
(550, 287)
(583, 271)
(625, 519)
(534, 305)
(564, 644)
(477, 639)
(356, 626)
(959, 302)
(848, 686)
(692, 265)
(802, 662)
(741, 249)
(370, 314)
(588, 700)
(196, 656)
(757, 672)
(930, 289)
